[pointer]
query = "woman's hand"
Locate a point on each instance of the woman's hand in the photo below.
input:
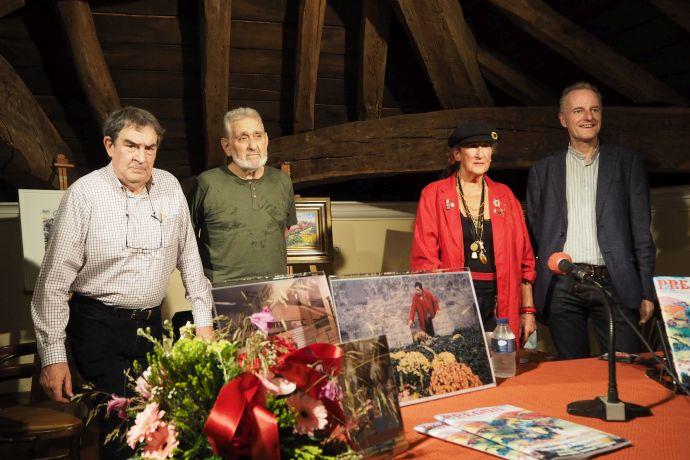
(528, 324)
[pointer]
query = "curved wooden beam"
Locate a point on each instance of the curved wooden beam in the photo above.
(92, 70)
(587, 51)
(448, 51)
(417, 142)
(28, 140)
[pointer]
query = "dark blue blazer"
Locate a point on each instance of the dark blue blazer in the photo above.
(623, 222)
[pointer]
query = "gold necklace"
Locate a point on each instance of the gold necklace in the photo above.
(477, 246)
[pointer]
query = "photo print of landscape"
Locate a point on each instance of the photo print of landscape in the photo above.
(301, 305)
(441, 357)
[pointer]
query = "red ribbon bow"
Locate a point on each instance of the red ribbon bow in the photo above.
(238, 419)
(298, 367)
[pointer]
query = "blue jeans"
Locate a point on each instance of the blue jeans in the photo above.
(571, 307)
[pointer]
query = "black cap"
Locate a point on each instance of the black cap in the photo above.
(472, 132)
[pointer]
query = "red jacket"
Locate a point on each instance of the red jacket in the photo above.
(424, 305)
(438, 241)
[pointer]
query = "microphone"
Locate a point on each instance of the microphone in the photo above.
(560, 263)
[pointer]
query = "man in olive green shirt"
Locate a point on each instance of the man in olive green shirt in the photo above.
(241, 211)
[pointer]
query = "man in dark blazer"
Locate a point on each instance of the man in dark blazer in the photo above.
(592, 201)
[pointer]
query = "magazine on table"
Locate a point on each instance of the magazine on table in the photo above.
(458, 436)
(674, 301)
(537, 435)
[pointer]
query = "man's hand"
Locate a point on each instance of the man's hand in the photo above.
(409, 323)
(56, 381)
(528, 324)
(205, 332)
(646, 310)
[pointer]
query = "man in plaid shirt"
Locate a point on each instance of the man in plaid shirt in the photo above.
(118, 235)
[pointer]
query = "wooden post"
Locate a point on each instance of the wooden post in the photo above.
(311, 16)
(61, 165)
(215, 18)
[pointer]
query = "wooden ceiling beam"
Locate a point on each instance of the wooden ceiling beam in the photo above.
(311, 17)
(417, 142)
(374, 28)
(447, 49)
(87, 55)
(677, 10)
(10, 6)
(29, 142)
(588, 52)
(215, 19)
(504, 74)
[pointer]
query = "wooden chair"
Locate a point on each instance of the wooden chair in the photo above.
(39, 428)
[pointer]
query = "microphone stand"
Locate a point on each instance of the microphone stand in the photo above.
(608, 408)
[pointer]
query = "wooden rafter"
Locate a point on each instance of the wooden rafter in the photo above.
(417, 142)
(311, 16)
(588, 52)
(510, 79)
(215, 19)
(10, 6)
(447, 49)
(92, 70)
(374, 29)
(677, 10)
(29, 142)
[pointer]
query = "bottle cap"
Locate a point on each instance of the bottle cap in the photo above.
(501, 320)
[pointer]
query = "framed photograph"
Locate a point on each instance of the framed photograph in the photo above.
(432, 324)
(37, 210)
(370, 397)
(309, 241)
(301, 305)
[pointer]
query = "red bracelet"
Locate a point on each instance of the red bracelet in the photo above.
(527, 310)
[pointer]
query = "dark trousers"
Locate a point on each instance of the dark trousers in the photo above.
(104, 346)
(571, 307)
(428, 326)
(486, 298)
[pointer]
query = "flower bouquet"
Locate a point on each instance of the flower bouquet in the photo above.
(245, 394)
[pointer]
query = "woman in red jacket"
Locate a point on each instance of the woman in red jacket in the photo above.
(468, 220)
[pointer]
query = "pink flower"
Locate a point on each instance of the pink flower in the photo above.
(332, 391)
(261, 319)
(161, 443)
(143, 388)
(119, 405)
(311, 414)
(277, 385)
(147, 422)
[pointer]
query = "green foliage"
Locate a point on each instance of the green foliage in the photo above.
(284, 414)
(187, 376)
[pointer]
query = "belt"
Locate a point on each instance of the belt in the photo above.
(599, 271)
(483, 276)
(138, 314)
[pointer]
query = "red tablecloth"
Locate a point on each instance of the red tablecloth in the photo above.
(548, 387)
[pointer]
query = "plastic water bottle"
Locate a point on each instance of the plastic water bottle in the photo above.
(503, 349)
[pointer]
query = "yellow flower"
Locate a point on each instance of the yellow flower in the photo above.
(414, 363)
(444, 357)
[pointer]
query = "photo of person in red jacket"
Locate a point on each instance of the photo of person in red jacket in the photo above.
(425, 306)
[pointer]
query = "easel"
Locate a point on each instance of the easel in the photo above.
(285, 167)
(61, 165)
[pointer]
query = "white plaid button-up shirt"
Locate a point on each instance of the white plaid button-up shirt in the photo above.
(119, 248)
